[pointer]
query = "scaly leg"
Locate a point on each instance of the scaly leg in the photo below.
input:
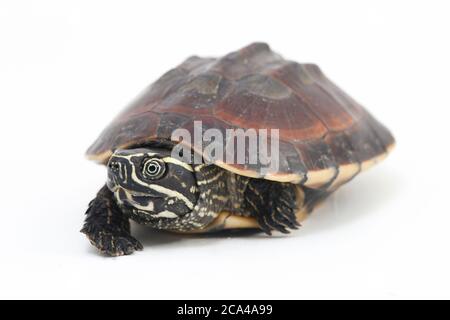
(107, 228)
(273, 204)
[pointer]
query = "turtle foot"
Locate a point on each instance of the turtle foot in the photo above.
(112, 243)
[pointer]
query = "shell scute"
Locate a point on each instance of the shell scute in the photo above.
(323, 132)
(306, 83)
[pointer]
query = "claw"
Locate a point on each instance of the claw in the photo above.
(114, 244)
(264, 225)
(283, 223)
(286, 220)
(274, 223)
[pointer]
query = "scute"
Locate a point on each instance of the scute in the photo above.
(325, 136)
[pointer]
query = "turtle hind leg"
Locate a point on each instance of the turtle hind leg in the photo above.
(273, 204)
(107, 228)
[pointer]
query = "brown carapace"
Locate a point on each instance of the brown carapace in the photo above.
(326, 137)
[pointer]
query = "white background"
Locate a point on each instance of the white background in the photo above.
(68, 67)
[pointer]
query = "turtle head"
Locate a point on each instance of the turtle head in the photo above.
(154, 185)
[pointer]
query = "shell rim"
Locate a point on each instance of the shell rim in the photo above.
(314, 178)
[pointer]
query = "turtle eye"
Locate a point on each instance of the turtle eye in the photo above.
(153, 168)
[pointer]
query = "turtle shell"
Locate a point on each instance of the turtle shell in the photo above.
(325, 137)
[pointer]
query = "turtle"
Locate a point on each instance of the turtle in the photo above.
(323, 139)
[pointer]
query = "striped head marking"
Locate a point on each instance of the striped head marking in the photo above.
(152, 184)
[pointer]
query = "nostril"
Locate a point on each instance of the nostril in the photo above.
(114, 166)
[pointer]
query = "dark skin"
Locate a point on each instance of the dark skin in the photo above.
(274, 205)
(107, 228)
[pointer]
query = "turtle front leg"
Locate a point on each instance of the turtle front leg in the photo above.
(107, 228)
(273, 204)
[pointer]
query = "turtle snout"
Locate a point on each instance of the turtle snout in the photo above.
(114, 167)
(116, 171)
